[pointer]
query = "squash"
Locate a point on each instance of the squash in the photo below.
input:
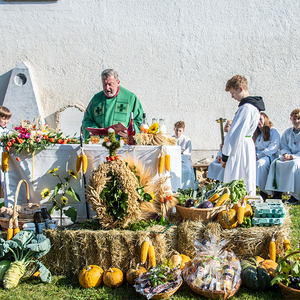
(176, 260)
(259, 259)
(132, 274)
(227, 219)
(248, 211)
(254, 276)
(286, 244)
(270, 266)
(113, 277)
(185, 260)
(91, 276)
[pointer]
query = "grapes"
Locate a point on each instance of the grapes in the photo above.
(294, 283)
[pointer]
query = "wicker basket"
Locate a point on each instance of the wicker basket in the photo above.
(26, 214)
(200, 214)
(167, 294)
(289, 293)
(216, 294)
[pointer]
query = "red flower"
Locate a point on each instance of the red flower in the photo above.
(112, 158)
(13, 140)
(45, 137)
(162, 200)
(52, 140)
(117, 157)
(20, 141)
(9, 144)
(60, 141)
(169, 197)
(7, 148)
(18, 158)
(74, 141)
(64, 142)
(107, 158)
(68, 140)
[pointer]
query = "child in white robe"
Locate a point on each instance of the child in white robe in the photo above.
(187, 170)
(238, 152)
(215, 169)
(267, 142)
(284, 174)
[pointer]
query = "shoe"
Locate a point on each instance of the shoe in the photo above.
(277, 195)
(263, 195)
(292, 201)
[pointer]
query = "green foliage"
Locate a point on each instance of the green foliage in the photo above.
(144, 225)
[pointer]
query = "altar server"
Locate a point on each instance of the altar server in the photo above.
(215, 169)
(267, 142)
(187, 170)
(238, 152)
(284, 174)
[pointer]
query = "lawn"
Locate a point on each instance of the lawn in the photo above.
(68, 287)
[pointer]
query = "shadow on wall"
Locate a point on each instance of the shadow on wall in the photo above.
(4, 80)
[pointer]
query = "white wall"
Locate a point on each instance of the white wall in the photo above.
(176, 56)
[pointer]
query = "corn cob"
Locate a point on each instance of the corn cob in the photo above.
(286, 244)
(223, 198)
(5, 165)
(272, 249)
(151, 254)
(240, 214)
(78, 163)
(167, 162)
(161, 164)
(84, 163)
(214, 197)
(144, 252)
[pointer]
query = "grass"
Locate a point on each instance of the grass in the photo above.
(68, 288)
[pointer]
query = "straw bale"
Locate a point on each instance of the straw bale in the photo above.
(72, 250)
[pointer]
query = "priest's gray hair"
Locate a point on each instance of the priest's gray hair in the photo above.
(108, 73)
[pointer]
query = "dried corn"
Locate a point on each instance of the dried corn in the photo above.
(151, 253)
(272, 249)
(167, 162)
(84, 163)
(5, 165)
(161, 164)
(78, 163)
(144, 252)
(223, 198)
(240, 214)
(286, 244)
(214, 197)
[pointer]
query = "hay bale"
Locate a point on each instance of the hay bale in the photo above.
(72, 250)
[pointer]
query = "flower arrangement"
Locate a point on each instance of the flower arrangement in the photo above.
(61, 190)
(32, 137)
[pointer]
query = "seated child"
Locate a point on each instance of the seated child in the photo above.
(267, 142)
(187, 170)
(215, 169)
(284, 174)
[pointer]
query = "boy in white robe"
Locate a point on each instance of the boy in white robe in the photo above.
(187, 170)
(215, 169)
(238, 152)
(267, 142)
(284, 174)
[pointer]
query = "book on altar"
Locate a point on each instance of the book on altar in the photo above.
(104, 131)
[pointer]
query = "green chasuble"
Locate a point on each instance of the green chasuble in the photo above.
(103, 112)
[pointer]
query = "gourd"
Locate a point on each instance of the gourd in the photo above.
(91, 276)
(272, 249)
(176, 260)
(227, 219)
(259, 259)
(113, 277)
(16, 226)
(248, 211)
(152, 259)
(254, 276)
(286, 244)
(144, 252)
(5, 165)
(185, 260)
(240, 214)
(132, 274)
(223, 198)
(269, 265)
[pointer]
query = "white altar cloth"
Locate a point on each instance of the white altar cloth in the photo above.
(34, 170)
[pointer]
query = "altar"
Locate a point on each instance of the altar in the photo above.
(34, 168)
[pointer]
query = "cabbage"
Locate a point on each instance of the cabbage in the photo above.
(4, 265)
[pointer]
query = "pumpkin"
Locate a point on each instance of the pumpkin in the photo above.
(132, 274)
(91, 276)
(270, 266)
(227, 219)
(113, 277)
(254, 276)
(176, 260)
(185, 259)
(259, 259)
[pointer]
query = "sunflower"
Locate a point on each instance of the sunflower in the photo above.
(45, 193)
(153, 128)
(64, 200)
(52, 171)
(73, 174)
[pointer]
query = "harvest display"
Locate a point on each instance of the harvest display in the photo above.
(215, 237)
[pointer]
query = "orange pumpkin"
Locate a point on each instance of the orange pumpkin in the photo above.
(185, 259)
(132, 274)
(113, 277)
(259, 259)
(91, 276)
(227, 218)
